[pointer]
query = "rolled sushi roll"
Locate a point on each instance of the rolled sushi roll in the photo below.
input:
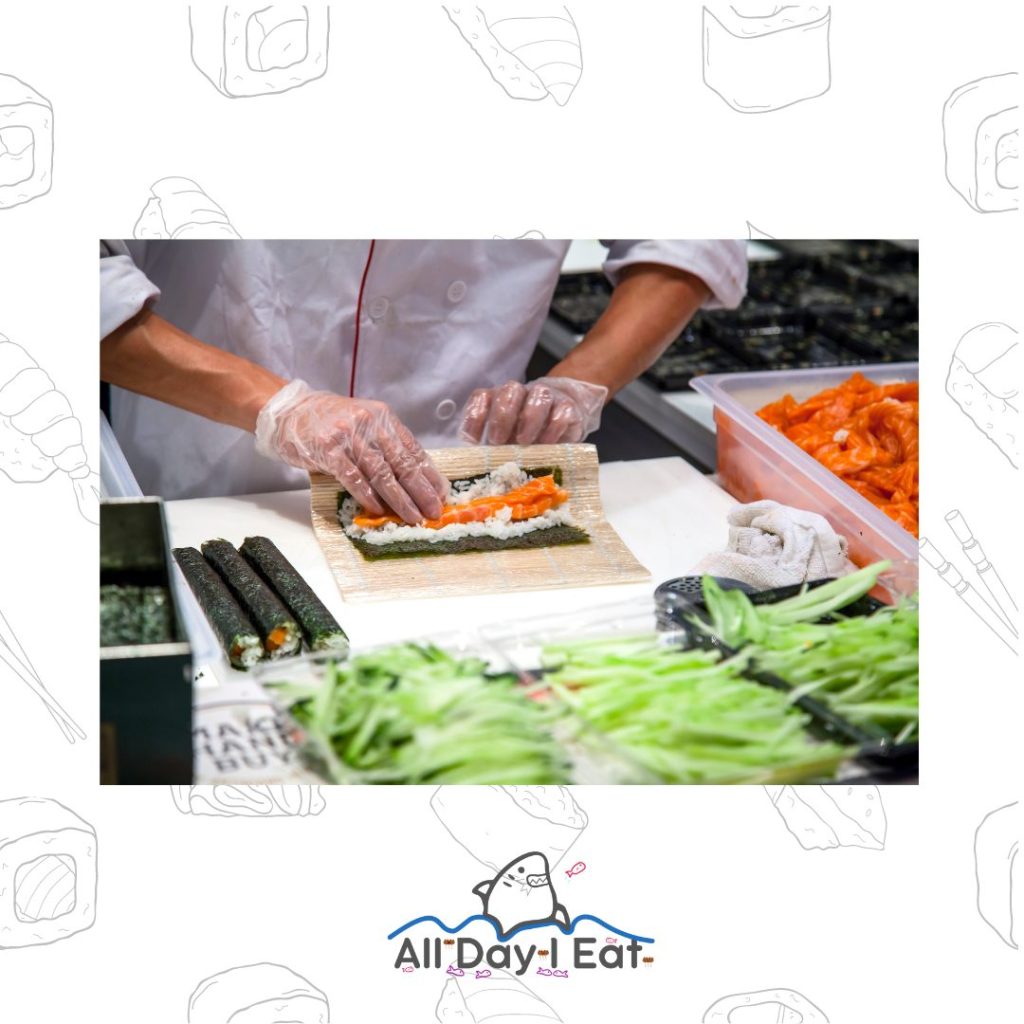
(320, 627)
(236, 633)
(278, 630)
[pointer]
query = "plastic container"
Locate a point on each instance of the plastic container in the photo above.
(755, 461)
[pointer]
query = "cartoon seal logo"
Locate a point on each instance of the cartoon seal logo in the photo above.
(521, 893)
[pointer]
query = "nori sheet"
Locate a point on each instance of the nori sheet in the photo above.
(320, 627)
(257, 600)
(132, 614)
(549, 537)
(552, 536)
(228, 620)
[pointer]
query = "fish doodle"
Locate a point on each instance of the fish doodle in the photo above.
(578, 868)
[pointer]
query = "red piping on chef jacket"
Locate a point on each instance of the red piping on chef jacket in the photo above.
(359, 317)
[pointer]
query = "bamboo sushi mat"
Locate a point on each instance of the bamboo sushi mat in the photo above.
(605, 560)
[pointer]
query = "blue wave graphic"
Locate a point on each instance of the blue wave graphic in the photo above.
(522, 928)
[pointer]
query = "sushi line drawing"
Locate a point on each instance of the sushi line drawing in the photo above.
(531, 56)
(491, 995)
(26, 143)
(257, 993)
(494, 824)
(996, 844)
(971, 597)
(257, 49)
(39, 432)
(982, 380)
(48, 873)
(981, 139)
(998, 595)
(759, 57)
(13, 655)
(792, 1006)
(755, 233)
(179, 208)
(827, 817)
(256, 801)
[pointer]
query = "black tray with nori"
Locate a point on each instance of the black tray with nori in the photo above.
(135, 614)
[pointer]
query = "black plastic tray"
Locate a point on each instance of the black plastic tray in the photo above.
(885, 760)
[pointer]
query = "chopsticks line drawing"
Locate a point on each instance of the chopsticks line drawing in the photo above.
(14, 656)
(968, 594)
(1002, 600)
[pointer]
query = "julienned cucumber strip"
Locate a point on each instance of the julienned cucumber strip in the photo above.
(864, 667)
(687, 716)
(413, 714)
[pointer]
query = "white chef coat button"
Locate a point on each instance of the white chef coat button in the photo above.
(456, 291)
(378, 308)
(445, 409)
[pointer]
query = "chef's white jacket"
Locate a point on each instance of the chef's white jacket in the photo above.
(438, 319)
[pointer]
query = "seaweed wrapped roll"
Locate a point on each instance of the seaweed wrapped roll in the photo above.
(320, 627)
(236, 633)
(277, 628)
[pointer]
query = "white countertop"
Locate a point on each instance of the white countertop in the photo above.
(667, 512)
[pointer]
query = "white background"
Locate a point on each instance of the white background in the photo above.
(406, 135)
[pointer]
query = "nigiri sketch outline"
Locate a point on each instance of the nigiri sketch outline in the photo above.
(48, 873)
(827, 817)
(996, 845)
(249, 801)
(977, 149)
(503, 996)
(39, 432)
(786, 998)
(982, 381)
(274, 987)
(227, 46)
(493, 823)
(179, 208)
(531, 56)
(767, 61)
(26, 142)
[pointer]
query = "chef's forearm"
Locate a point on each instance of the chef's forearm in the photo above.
(152, 357)
(650, 305)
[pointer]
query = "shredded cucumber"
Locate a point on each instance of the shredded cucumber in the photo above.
(415, 714)
(686, 716)
(864, 667)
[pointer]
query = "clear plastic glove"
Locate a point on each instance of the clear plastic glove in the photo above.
(361, 443)
(548, 410)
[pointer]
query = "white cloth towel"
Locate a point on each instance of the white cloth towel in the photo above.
(772, 545)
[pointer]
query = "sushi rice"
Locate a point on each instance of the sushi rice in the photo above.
(500, 526)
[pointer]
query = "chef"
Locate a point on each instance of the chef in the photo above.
(347, 357)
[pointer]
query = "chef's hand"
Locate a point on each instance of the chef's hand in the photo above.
(361, 443)
(548, 410)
